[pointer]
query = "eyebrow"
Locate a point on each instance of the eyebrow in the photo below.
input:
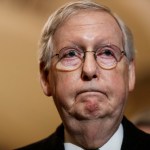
(98, 43)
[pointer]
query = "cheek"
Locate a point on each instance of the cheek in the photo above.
(65, 88)
(66, 81)
(121, 77)
(120, 87)
(117, 85)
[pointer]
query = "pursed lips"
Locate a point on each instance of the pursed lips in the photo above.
(91, 91)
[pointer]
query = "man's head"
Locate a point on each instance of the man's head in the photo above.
(67, 11)
(79, 67)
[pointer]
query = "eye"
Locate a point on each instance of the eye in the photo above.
(108, 52)
(71, 53)
(68, 53)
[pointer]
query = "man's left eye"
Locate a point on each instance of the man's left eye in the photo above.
(108, 52)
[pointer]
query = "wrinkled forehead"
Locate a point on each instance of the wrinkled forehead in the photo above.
(99, 23)
(92, 17)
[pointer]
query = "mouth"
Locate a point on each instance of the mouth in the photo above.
(88, 103)
(90, 92)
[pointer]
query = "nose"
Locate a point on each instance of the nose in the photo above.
(89, 69)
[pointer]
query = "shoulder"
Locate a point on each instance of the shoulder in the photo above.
(133, 137)
(54, 142)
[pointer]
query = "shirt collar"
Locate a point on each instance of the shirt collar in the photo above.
(114, 142)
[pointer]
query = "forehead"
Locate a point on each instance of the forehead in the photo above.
(95, 16)
(90, 24)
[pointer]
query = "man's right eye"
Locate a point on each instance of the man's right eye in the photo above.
(69, 54)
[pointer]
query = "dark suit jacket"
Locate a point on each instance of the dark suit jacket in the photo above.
(134, 139)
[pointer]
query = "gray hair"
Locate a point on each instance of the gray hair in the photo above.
(62, 14)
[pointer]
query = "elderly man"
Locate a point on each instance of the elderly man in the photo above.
(87, 66)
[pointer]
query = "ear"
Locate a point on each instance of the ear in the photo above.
(131, 75)
(44, 80)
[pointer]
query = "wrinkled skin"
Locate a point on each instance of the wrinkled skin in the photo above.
(90, 100)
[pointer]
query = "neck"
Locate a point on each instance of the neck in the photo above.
(83, 132)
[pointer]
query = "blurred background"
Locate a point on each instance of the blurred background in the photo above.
(26, 114)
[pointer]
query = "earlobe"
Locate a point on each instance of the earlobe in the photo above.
(131, 75)
(45, 81)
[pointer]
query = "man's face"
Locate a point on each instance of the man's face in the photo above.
(90, 92)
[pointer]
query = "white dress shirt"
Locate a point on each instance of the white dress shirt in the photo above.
(114, 143)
